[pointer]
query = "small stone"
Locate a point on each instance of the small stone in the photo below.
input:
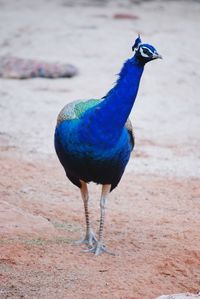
(180, 296)
(125, 16)
(21, 68)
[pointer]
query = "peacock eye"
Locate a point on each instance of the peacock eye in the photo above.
(145, 51)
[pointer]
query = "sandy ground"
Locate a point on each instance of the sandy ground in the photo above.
(153, 217)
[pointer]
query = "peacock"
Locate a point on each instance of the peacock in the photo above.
(94, 138)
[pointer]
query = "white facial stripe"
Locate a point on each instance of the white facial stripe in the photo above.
(143, 54)
(148, 49)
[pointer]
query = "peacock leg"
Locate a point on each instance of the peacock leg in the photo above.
(90, 238)
(99, 247)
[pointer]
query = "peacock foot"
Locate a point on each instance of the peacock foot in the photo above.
(90, 239)
(98, 249)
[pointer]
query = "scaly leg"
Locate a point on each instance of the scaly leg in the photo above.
(99, 247)
(90, 238)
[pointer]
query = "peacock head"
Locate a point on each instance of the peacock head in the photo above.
(144, 52)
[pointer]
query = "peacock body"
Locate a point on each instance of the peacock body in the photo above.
(91, 159)
(94, 137)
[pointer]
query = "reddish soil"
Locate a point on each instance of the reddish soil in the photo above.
(152, 226)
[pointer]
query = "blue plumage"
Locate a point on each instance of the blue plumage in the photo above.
(86, 161)
(92, 139)
(96, 146)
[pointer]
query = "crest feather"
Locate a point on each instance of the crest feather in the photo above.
(137, 43)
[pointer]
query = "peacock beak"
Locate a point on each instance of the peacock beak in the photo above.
(156, 56)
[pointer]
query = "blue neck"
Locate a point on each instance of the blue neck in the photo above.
(108, 118)
(120, 99)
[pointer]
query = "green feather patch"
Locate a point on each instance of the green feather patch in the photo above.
(81, 107)
(75, 109)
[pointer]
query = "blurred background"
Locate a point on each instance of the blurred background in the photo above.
(153, 218)
(96, 37)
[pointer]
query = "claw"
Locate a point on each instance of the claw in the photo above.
(98, 248)
(90, 239)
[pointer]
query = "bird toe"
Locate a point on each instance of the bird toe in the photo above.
(98, 249)
(90, 239)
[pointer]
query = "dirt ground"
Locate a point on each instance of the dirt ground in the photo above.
(153, 217)
(152, 226)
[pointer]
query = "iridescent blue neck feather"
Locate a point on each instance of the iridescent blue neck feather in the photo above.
(106, 120)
